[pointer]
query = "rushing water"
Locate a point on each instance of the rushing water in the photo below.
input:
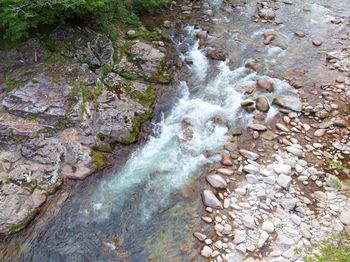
(145, 210)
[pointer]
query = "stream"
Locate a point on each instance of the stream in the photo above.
(146, 210)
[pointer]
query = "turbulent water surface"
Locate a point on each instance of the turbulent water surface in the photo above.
(146, 209)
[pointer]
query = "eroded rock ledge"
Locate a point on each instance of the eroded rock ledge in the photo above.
(65, 101)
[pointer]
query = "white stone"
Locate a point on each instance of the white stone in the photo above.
(282, 169)
(264, 236)
(284, 181)
(248, 221)
(268, 226)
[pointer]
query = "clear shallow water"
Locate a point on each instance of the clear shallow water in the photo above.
(147, 209)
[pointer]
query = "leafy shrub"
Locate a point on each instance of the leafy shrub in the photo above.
(17, 17)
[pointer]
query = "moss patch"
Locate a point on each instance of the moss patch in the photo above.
(98, 159)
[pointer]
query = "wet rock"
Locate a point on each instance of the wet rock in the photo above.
(226, 160)
(289, 102)
(262, 104)
(249, 154)
(216, 53)
(201, 237)
(269, 37)
(216, 181)
(282, 127)
(210, 200)
(18, 207)
(267, 13)
(300, 34)
(202, 37)
(265, 85)
(316, 42)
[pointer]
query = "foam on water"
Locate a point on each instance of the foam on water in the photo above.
(169, 160)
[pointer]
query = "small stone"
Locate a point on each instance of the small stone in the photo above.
(211, 200)
(268, 227)
(206, 251)
(249, 154)
(248, 221)
(268, 135)
(257, 127)
(345, 217)
(262, 104)
(282, 127)
(284, 181)
(216, 181)
(265, 85)
(226, 160)
(300, 34)
(251, 169)
(282, 169)
(295, 151)
(240, 236)
(319, 132)
(225, 171)
(316, 42)
(201, 237)
(264, 236)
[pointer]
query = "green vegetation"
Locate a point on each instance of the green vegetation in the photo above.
(97, 92)
(334, 249)
(18, 17)
(98, 159)
(338, 165)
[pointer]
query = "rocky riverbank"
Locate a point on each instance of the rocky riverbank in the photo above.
(66, 99)
(282, 184)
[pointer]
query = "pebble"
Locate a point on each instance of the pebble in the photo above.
(225, 171)
(251, 169)
(248, 154)
(282, 169)
(200, 236)
(284, 180)
(206, 251)
(216, 181)
(345, 217)
(248, 221)
(264, 236)
(209, 199)
(268, 226)
(316, 42)
(319, 132)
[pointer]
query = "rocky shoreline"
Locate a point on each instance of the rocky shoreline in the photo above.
(282, 185)
(66, 99)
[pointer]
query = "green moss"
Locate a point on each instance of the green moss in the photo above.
(137, 123)
(53, 188)
(18, 138)
(334, 249)
(33, 118)
(97, 92)
(11, 84)
(106, 69)
(107, 148)
(98, 158)
(161, 77)
(129, 76)
(74, 91)
(338, 165)
(24, 223)
(146, 98)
